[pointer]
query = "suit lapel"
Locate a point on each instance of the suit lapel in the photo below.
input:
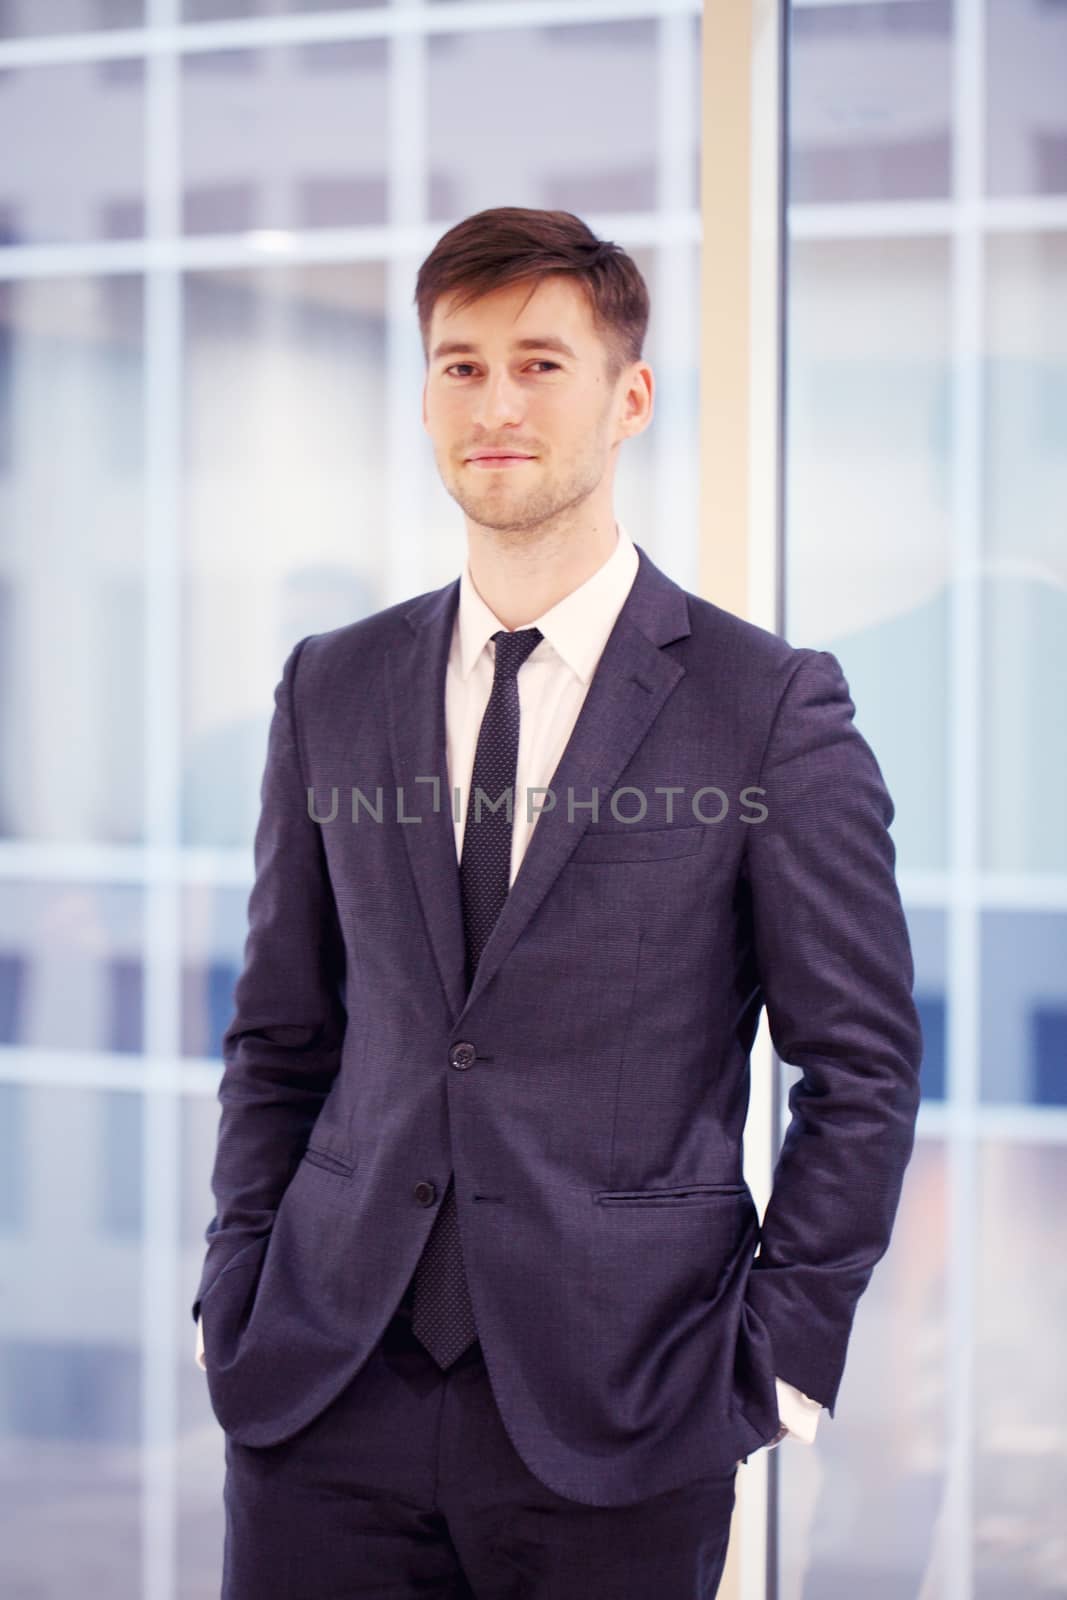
(629, 688)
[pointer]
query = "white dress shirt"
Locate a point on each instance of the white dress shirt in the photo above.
(553, 683)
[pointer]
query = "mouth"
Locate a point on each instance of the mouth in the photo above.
(497, 461)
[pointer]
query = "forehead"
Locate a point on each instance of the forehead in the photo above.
(556, 306)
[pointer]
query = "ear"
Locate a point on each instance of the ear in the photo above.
(641, 396)
(638, 402)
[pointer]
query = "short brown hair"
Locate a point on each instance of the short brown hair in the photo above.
(508, 243)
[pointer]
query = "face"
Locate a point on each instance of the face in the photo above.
(529, 379)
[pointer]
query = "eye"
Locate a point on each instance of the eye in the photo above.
(456, 365)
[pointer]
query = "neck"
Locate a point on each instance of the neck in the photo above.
(520, 582)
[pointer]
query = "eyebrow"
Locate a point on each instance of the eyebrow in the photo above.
(458, 348)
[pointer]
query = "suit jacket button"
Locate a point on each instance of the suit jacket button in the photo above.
(462, 1055)
(425, 1193)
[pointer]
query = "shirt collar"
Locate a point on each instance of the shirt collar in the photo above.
(576, 627)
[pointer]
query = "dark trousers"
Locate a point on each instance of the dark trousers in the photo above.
(408, 1485)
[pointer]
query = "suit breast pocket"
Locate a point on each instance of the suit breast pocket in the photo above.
(319, 1156)
(638, 844)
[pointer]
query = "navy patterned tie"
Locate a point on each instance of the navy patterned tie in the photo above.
(442, 1317)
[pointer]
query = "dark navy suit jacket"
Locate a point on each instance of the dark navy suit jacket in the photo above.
(590, 1091)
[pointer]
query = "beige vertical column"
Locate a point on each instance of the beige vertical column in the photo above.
(741, 339)
(740, 499)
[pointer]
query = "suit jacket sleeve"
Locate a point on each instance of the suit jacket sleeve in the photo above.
(835, 967)
(282, 1049)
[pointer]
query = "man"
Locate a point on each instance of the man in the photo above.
(482, 1309)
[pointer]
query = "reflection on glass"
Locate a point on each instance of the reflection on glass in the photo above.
(1026, 106)
(71, 560)
(214, 927)
(14, 1133)
(868, 566)
(1024, 755)
(535, 68)
(289, 138)
(284, 491)
(72, 966)
(227, 10)
(859, 1510)
(1025, 447)
(70, 1360)
(926, 928)
(1020, 1379)
(199, 1447)
(1024, 1008)
(79, 175)
(24, 19)
(871, 98)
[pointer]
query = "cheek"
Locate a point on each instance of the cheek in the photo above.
(442, 407)
(572, 425)
(447, 427)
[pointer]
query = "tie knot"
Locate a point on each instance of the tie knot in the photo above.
(513, 648)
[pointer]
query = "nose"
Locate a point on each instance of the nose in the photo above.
(498, 403)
